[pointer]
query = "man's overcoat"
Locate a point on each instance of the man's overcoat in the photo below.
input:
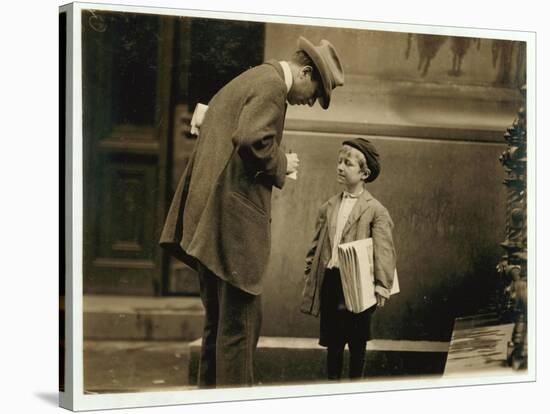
(220, 213)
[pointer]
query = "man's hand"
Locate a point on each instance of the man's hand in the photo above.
(380, 300)
(292, 162)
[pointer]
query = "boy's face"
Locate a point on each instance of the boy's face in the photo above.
(348, 169)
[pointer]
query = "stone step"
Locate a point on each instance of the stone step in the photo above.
(142, 318)
(134, 366)
(302, 360)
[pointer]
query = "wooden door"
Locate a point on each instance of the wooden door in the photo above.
(127, 67)
(142, 76)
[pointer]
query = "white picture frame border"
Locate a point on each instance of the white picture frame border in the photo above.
(74, 397)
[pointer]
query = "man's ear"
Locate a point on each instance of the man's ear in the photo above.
(307, 71)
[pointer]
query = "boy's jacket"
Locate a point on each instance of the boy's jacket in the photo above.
(368, 218)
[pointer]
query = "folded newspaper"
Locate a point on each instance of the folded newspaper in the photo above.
(356, 261)
(198, 117)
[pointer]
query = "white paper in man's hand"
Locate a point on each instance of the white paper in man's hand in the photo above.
(198, 117)
(293, 175)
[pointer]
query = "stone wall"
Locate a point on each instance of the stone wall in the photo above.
(438, 128)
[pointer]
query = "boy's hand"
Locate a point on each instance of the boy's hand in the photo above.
(380, 300)
(292, 162)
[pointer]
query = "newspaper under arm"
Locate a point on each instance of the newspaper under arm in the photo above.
(356, 260)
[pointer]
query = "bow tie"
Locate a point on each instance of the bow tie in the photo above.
(350, 195)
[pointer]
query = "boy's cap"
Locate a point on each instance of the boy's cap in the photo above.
(370, 153)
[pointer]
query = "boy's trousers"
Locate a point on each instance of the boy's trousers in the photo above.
(231, 331)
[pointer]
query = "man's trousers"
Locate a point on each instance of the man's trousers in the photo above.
(231, 332)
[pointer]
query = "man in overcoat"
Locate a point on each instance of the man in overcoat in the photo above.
(219, 220)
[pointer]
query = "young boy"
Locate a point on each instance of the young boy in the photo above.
(348, 216)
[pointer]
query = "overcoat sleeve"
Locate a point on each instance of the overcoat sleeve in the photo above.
(312, 275)
(257, 130)
(321, 218)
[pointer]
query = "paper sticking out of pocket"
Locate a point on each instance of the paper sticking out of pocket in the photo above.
(198, 117)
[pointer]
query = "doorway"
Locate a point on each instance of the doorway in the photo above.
(142, 77)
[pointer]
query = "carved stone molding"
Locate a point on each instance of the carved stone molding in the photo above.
(513, 266)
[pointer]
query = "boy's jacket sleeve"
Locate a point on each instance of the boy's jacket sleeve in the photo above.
(384, 253)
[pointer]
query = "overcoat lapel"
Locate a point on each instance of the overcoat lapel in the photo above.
(277, 66)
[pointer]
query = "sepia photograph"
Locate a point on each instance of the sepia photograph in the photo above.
(259, 205)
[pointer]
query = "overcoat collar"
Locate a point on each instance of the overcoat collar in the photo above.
(357, 211)
(278, 68)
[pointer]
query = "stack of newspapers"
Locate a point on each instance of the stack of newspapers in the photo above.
(357, 272)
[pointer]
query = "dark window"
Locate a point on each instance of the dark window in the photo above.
(221, 50)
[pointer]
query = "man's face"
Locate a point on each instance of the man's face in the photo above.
(305, 90)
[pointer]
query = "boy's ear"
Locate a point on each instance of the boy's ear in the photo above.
(366, 174)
